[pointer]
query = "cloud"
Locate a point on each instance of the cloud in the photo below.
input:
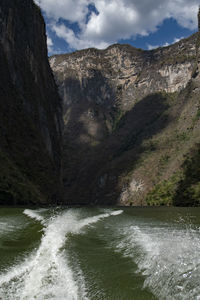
(49, 44)
(51, 47)
(113, 20)
(72, 10)
(76, 41)
(175, 40)
(151, 47)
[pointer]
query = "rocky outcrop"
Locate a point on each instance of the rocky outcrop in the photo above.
(30, 109)
(127, 74)
(130, 117)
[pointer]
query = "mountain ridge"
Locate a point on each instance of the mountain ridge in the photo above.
(117, 102)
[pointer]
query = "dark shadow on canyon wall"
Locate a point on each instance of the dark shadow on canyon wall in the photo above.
(93, 163)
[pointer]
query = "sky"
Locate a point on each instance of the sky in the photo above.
(78, 24)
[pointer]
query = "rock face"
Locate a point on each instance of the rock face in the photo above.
(30, 109)
(122, 74)
(130, 117)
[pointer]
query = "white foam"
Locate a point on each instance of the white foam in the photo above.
(34, 214)
(116, 212)
(47, 273)
(168, 258)
(91, 220)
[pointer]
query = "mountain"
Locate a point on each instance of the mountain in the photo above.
(131, 119)
(131, 124)
(30, 109)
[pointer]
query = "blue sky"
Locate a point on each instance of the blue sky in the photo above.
(147, 24)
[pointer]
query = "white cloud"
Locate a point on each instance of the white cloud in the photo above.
(49, 44)
(175, 40)
(76, 42)
(51, 47)
(116, 19)
(72, 10)
(151, 47)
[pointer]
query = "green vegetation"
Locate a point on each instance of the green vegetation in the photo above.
(163, 192)
(164, 160)
(188, 189)
(182, 136)
(183, 188)
(117, 120)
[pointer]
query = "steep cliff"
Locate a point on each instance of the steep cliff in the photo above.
(131, 122)
(130, 119)
(30, 109)
(122, 74)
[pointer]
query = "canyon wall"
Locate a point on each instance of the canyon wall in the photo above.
(130, 119)
(30, 109)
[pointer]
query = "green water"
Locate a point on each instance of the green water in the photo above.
(100, 253)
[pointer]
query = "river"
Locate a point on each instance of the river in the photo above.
(100, 253)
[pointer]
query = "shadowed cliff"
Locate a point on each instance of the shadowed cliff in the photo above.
(30, 109)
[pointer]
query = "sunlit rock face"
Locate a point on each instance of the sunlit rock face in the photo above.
(30, 109)
(127, 72)
(115, 100)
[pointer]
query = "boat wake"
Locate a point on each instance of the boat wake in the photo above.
(46, 274)
(169, 259)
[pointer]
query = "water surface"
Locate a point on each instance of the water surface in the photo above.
(100, 253)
